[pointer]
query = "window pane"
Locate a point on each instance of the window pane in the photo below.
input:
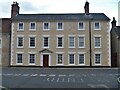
(60, 26)
(32, 26)
(19, 58)
(81, 58)
(81, 25)
(81, 41)
(20, 25)
(32, 41)
(32, 58)
(20, 41)
(60, 58)
(97, 26)
(71, 58)
(45, 41)
(59, 41)
(97, 41)
(46, 25)
(71, 42)
(97, 58)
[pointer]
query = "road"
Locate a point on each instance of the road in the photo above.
(60, 78)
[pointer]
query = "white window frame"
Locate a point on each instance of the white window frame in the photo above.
(69, 58)
(29, 41)
(62, 36)
(17, 58)
(99, 25)
(29, 58)
(69, 41)
(99, 36)
(48, 26)
(1, 43)
(79, 59)
(17, 41)
(48, 41)
(95, 57)
(62, 26)
(83, 25)
(57, 58)
(30, 26)
(18, 27)
(83, 36)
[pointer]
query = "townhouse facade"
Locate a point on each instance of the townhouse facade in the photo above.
(115, 44)
(79, 39)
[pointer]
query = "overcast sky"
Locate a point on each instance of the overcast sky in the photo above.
(109, 7)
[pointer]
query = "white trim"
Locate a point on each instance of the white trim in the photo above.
(84, 58)
(30, 26)
(12, 39)
(18, 27)
(69, 41)
(22, 58)
(0, 59)
(62, 41)
(29, 58)
(99, 36)
(62, 58)
(83, 36)
(99, 25)
(69, 58)
(83, 25)
(29, 40)
(62, 26)
(100, 58)
(48, 26)
(17, 41)
(41, 59)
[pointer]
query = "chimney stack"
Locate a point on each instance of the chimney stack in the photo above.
(86, 8)
(15, 9)
(113, 22)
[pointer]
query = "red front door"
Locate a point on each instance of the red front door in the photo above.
(45, 60)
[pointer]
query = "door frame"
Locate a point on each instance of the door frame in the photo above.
(41, 59)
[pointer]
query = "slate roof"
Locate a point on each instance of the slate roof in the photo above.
(73, 16)
(117, 30)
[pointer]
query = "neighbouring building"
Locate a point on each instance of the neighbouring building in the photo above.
(115, 44)
(74, 39)
(5, 27)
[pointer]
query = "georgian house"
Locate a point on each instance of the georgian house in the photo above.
(73, 39)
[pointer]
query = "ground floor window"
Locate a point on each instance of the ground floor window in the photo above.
(97, 58)
(59, 58)
(20, 58)
(71, 58)
(31, 58)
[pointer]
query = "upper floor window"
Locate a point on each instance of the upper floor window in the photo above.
(59, 26)
(81, 26)
(46, 26)
(97, 42)
(71, 42)
(32, 42)
(32, 26)
(46, 42)
(20, 42)
(81, 42)
(60, 42)
(20, 26)
(97, 26)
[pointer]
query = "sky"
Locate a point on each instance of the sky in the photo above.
(109, 7)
